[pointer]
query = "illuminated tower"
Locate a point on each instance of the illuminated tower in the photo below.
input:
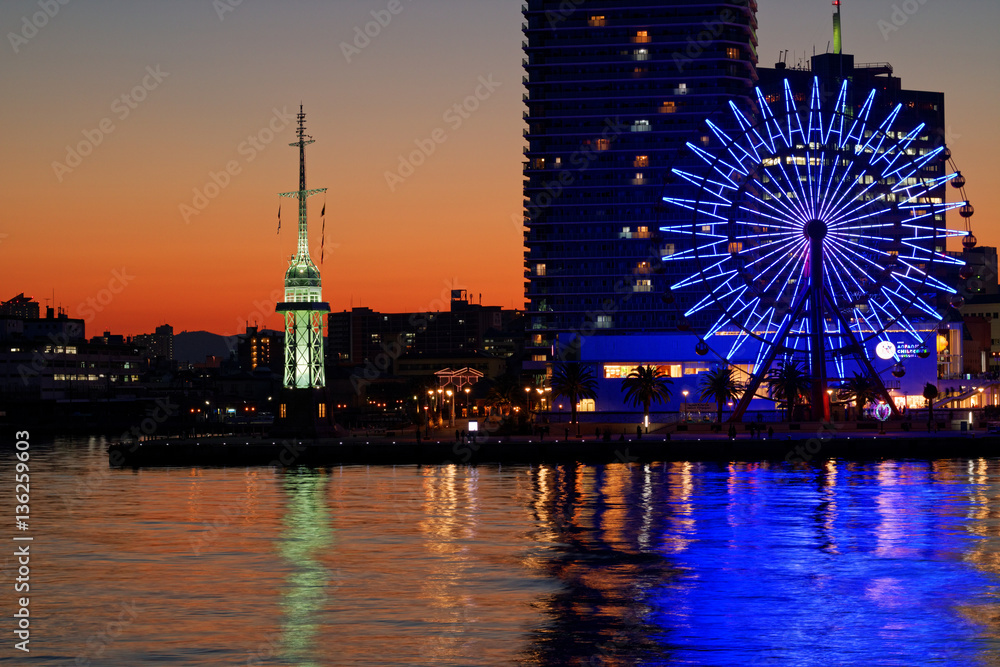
(837, 36)
(303, 307)
(303, 408)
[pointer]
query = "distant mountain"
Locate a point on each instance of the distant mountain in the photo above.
(192, 347)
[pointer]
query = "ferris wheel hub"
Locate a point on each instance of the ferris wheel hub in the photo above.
(816, 229)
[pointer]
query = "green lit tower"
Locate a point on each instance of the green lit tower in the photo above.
(303, 307)
(838, 45)
(303, 408)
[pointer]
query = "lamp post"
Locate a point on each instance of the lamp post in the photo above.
(527, 401)
(684, 412)
(440, 412)
(829, 392)
(468, 411)
(451, 395)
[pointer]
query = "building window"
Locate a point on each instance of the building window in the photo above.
(641, 233)
(641, 37)
(626, 233)
(539, 269)
(641, 161)
(586, 405)
(733, 52)
(681, 89)
(597, 21)
(641, 54)
(603, 144)
(668, 107)
(322, 410)
(638, 180)
(539, 357)
(641, 126)
(643, 285)
(283, 411)
(604, 322)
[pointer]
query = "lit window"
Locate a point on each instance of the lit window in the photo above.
(668, 107)
(638, 180)
(643, 285)
(597, 21)
(733, 52)
(641, 54)
(604, 322)
(282, 411)
(539, 269)
(641, 161)
(586, 405)
(322, 410)
(603, 144)
(641, 37)
(641, 126)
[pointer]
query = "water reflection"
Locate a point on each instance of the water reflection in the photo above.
(304, 540)
(888, 563)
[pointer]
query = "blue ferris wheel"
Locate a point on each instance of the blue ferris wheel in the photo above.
(816, 234)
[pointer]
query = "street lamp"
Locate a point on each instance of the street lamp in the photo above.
(468, 412)
(451, 395)
(684, 412)
(527, 399)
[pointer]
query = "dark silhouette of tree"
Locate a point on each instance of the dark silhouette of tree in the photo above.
(788, 383)
(862, 390)
(930, 393)
(575, 382)
(504, 394)
(720, 386)
(646, 385)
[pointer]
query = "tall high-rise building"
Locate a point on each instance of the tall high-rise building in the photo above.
(615, 89)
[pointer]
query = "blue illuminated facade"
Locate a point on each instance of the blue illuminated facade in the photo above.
(614, 90)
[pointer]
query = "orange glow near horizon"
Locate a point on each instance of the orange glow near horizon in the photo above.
(424, 196)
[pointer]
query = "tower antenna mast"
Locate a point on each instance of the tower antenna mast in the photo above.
(838, 44)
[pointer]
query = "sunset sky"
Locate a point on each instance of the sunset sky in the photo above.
(213, 74)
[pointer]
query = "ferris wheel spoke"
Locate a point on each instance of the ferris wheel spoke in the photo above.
(792, 117)
(792, 194)
(836, 212)
(857, 131)
(839, 110)
(715, 297)
(729, 144)
(815, 115)
(701, 181)
(771, 123)
(919, 303)
(775, 221)
(713, 162)
(786, 213)
(840, 259)
(798, 253)
(917, 164)
(786, 246)
(846, 235)
(831, 193)
(927, 279)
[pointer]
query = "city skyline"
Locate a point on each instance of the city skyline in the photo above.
(396, 240)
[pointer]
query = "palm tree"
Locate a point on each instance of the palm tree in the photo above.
(645, 385)
(504, 393)
(788, 383)
(720, 386)
(575, 382)
(930, 393)
(862, 390)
